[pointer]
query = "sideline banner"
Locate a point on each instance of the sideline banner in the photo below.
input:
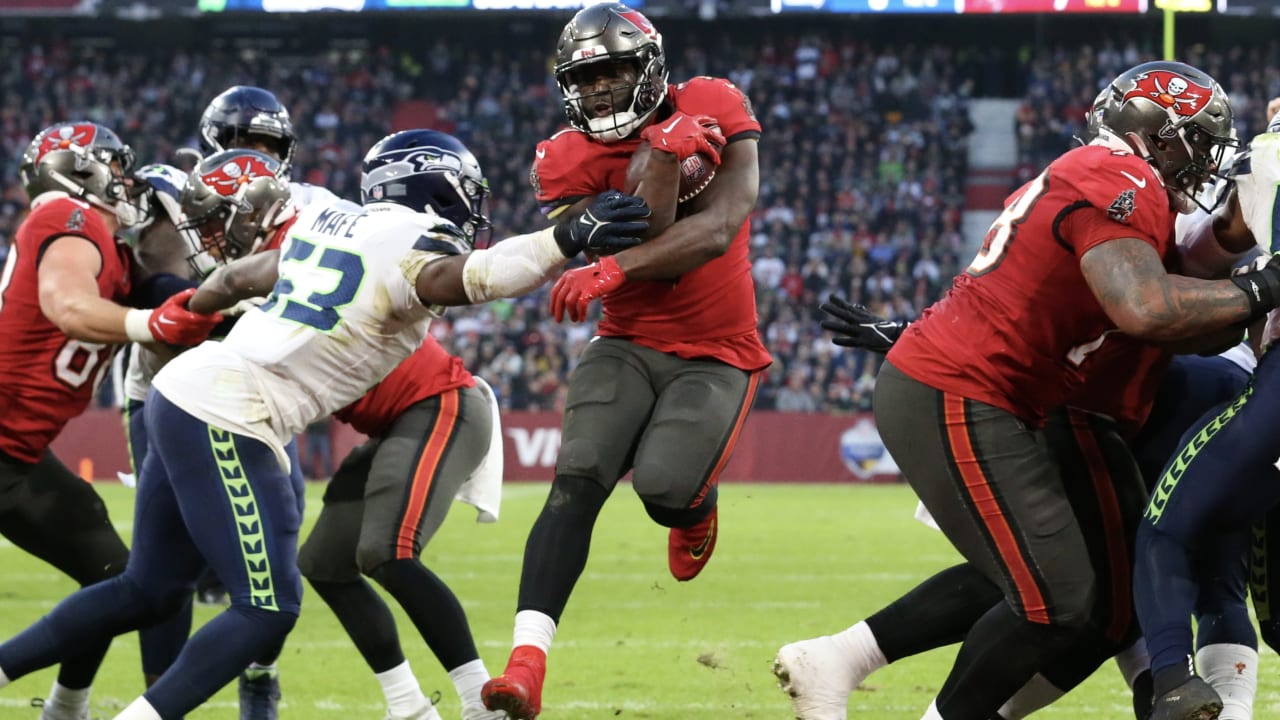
(773, 447)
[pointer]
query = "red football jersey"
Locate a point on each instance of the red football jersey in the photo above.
(428, 371)
(47, 377)
(1123, 377)
(711, 311)
(1018, 328)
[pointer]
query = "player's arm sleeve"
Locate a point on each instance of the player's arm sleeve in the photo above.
(510, 268)
(558, 181)
(731, 108)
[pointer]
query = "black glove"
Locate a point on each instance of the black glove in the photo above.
(612, 222)
(857, 327)
(1261, 283)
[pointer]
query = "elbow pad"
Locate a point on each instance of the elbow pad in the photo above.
(512, 267)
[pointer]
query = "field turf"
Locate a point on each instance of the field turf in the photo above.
(792, 561)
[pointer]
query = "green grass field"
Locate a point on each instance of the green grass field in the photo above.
(792, 562)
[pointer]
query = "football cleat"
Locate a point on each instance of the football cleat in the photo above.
(259, 694)
(1194, 699)
(518, 690)
(689, 549)
(49, 712)
(818, 678)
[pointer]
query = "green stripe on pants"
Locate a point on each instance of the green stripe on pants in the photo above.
(1169, 480)
(244, 507)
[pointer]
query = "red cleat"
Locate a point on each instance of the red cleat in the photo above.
(689, 549)
(518, 690)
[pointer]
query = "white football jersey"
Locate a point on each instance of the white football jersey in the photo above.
(303, 194)
(1257, 176)
(342, 315)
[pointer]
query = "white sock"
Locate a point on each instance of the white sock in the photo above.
(1036, 694)
(932, 713)
(534, 628)
(401, 689)
(4, 679)
(468, 679)
(63, 702)
(859, 642)
(1232, 670)
(139, 709)
(1133, 661)
(257, 668)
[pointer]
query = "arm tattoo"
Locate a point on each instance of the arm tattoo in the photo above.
(1136, 292)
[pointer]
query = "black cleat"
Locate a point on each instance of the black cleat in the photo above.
(1192, 700)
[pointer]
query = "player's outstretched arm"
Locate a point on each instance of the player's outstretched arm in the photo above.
(1130, 282)
(248, 277)
(515, 266)
(69, 297)
(707, 232)
(1214, 243)
(857, 327)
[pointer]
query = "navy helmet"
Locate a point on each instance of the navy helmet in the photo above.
(243, 111)
(429, 171)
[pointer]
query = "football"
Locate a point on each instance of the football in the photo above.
(696, 172)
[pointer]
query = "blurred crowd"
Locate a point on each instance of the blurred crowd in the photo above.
(862, 186)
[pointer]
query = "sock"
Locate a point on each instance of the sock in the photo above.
(1165, 587)
(1232, 670)
(65, 701)
(139, 709)
(556, 552)
(935, 613)
(401, 689)
(4, 679)
(859, 642)
(432, 607)
(467, 679)
(1133, 661)
(534, 628)
(1036, 694)
(932, 713)
(367, 620)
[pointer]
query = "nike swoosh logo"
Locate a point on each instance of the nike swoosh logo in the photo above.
(697, 552)
(166, 321)
(540, 153)
(1140, 183)
(673, 125)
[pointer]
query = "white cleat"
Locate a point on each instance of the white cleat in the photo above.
(818, 677)
(426, 713)
(472, 712)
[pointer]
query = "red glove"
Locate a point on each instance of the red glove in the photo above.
(173, 324)
(575, 289)
(683, 135)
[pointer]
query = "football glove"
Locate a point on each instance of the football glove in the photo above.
(683, 135)
(173, 324)
(857, 327)
(575, 290)
(1260, 281)
(612, 222)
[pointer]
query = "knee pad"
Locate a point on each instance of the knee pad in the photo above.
(579, 457)
(373, 559)
(682, 517)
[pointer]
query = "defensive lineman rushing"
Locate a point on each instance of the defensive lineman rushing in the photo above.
(62, 316)
(355, 295)
(666, 387)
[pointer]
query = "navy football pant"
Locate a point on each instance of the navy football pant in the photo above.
(205, 496)
(1221, 481)
(160, 644)
(1193, 386)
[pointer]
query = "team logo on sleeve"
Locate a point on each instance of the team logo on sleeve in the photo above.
(75, 221)
(1122, 207)
(1170, 91)
(230, 176)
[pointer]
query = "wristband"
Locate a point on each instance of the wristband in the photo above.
(137, 326)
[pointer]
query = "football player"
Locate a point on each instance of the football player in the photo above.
(665, 388)
(355, 294)
(962, 394)
(63, 314)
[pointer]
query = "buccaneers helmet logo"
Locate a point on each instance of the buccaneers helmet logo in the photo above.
(231, 175)
(1171, 91)
(64, 136)
(640, 21)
